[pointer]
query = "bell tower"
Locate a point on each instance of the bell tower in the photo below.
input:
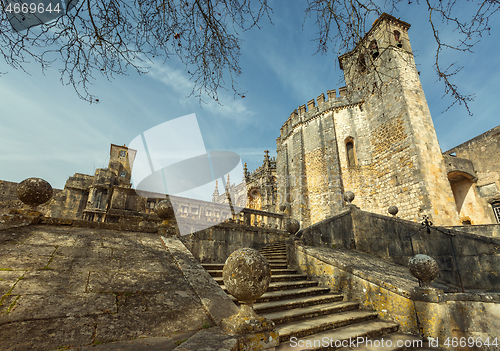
(406, 166)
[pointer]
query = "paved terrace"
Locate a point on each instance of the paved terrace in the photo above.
(64, 287)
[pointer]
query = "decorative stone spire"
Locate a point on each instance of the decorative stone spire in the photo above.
(267, 161)
(215, 195)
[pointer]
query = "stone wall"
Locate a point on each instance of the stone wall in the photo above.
(390, 291)
(215, 244)
(483, 152)
(71, 201)
(490, 230)
(8, 190)
(478, 257)
(308, 168)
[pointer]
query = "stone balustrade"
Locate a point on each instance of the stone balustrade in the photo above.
(259, 218)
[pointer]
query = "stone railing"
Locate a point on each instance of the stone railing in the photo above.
(259, 218)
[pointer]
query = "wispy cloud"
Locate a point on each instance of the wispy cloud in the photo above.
(178, 80)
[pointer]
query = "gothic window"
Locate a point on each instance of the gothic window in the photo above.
(496, 210)
(351, 157)
(397, 37)
(123, 153)
(123, 174)
(374, 49)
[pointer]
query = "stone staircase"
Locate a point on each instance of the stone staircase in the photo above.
(309, 317)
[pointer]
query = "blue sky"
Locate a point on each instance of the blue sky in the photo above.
(48, 132)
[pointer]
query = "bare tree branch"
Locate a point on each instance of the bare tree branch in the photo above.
(112, 36)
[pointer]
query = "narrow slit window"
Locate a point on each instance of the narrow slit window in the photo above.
(374, 49)
(397, 37)
(351, 160)
(362, 63)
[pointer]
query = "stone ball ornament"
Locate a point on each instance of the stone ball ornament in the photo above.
(246, 275)
(165, 210)
(393, 210)
(349, 196)
(292, 226)
(424, 268)
(34, 191)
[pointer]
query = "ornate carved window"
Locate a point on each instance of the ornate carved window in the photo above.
(123, 153)
(123, 174)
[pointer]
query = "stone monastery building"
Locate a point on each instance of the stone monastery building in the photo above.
(375, 138)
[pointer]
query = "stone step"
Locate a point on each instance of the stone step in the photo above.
(277, 261)
(280, 305)
(276, 257)
(274, 271)
(391, 342)
(213, 266)
(218, 273)
(300, 313)
(278, 266)
(290, 294)
(274, 278)
(273, 254)
(273, 249)
(274, 245)
(369, 329)
(283, 286)
(287, 277)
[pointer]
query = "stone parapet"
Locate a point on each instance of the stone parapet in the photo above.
(304, 115)
(475, 257)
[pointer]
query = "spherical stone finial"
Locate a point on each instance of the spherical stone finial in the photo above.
(393, 210)
(425, 268)
(246, 275)
(292, 226)
(164, 209)
(34, 191)
(348, 196)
